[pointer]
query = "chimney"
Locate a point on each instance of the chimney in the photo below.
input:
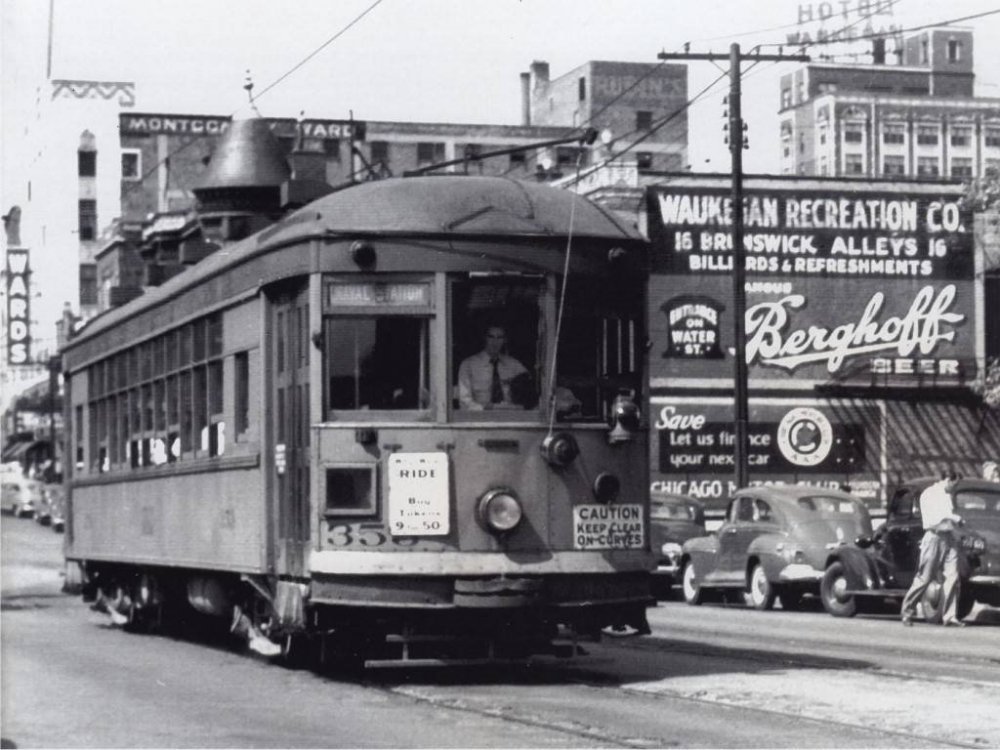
(539, 75)
(878, 51)
(525, 98)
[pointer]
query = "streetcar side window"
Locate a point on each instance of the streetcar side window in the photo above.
(377, 363)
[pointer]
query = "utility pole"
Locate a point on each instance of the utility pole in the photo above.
(738, 142)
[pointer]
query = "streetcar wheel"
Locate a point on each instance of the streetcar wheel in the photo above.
(760, 594)
(832, 591)
(692, 591)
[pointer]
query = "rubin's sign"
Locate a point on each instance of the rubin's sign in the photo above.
(18, 307)
(845, 280)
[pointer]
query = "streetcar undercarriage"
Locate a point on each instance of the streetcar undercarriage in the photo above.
(427, 621)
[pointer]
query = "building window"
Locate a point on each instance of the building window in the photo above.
(644, 160)
(928, 166)
(88, 284)
(518, 159)
(824, 167)
(567, 156)
(927, 135)
(643, 120)
(854, 164)
(430, 152)
(87, 219)
(581, 88)
(961, 167)
(131, 164)
(894, 165)
(991, 167)
(786, 98)
(800, 90)
(924, 51)
(992, 137)
(379, 151)
(961, 137)
(86, 162)
(331, 148)
(954, 50)
(894, 134)
(854, 134)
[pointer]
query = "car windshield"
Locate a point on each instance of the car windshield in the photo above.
(825, 504)
(985, 502)
(672, 512)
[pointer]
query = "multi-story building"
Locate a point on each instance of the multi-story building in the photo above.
(642, 106)
(918, 118)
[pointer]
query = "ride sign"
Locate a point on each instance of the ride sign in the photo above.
(418, 494)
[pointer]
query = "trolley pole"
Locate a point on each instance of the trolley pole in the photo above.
(738, 142)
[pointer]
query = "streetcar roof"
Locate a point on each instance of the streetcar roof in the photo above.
(448, 207)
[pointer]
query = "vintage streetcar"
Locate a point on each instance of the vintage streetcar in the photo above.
(276, 438)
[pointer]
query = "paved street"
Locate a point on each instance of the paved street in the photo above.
(711, 676)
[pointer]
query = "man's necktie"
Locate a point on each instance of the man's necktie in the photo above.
(496, 388)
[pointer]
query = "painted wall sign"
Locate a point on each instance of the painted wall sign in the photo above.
(828, 233)
(18, 307)
(825, 445)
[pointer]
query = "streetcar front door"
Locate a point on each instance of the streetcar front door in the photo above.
(289, 351)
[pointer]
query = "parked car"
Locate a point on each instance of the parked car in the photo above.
(882, 566)
(20, 496)
(55, 499)
(774, 543)
(673, 519)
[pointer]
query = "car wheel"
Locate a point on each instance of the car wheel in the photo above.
(791, 599)
(692, 591)
(832, 590)
(760, 594)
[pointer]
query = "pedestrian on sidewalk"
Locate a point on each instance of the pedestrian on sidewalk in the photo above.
(939, 551)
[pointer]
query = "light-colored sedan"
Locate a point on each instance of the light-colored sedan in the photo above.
(774, 544)
(20, 496)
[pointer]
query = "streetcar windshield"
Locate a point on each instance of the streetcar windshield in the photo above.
(376, 363)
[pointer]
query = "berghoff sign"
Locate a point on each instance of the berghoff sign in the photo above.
(812, 233)
(772, 340)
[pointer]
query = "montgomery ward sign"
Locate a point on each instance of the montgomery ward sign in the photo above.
(18, 307)
(162, 124)
(846, 282)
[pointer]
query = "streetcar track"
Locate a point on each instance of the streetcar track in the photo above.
(806, 660)
(508, 713)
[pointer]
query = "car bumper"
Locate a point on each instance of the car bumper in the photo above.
(985, 580)
(666, 569)
(800, 572)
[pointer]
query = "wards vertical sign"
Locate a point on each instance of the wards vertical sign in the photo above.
(18, 307)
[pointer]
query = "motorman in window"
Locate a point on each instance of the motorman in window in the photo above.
(485, 379)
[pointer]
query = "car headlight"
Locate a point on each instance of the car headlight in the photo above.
(671, 550)
(500, 511)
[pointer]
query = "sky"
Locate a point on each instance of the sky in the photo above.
(423, 60)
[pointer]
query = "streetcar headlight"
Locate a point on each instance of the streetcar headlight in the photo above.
(624, 419)
(606, 487)
(560, 449)
(500, 511)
